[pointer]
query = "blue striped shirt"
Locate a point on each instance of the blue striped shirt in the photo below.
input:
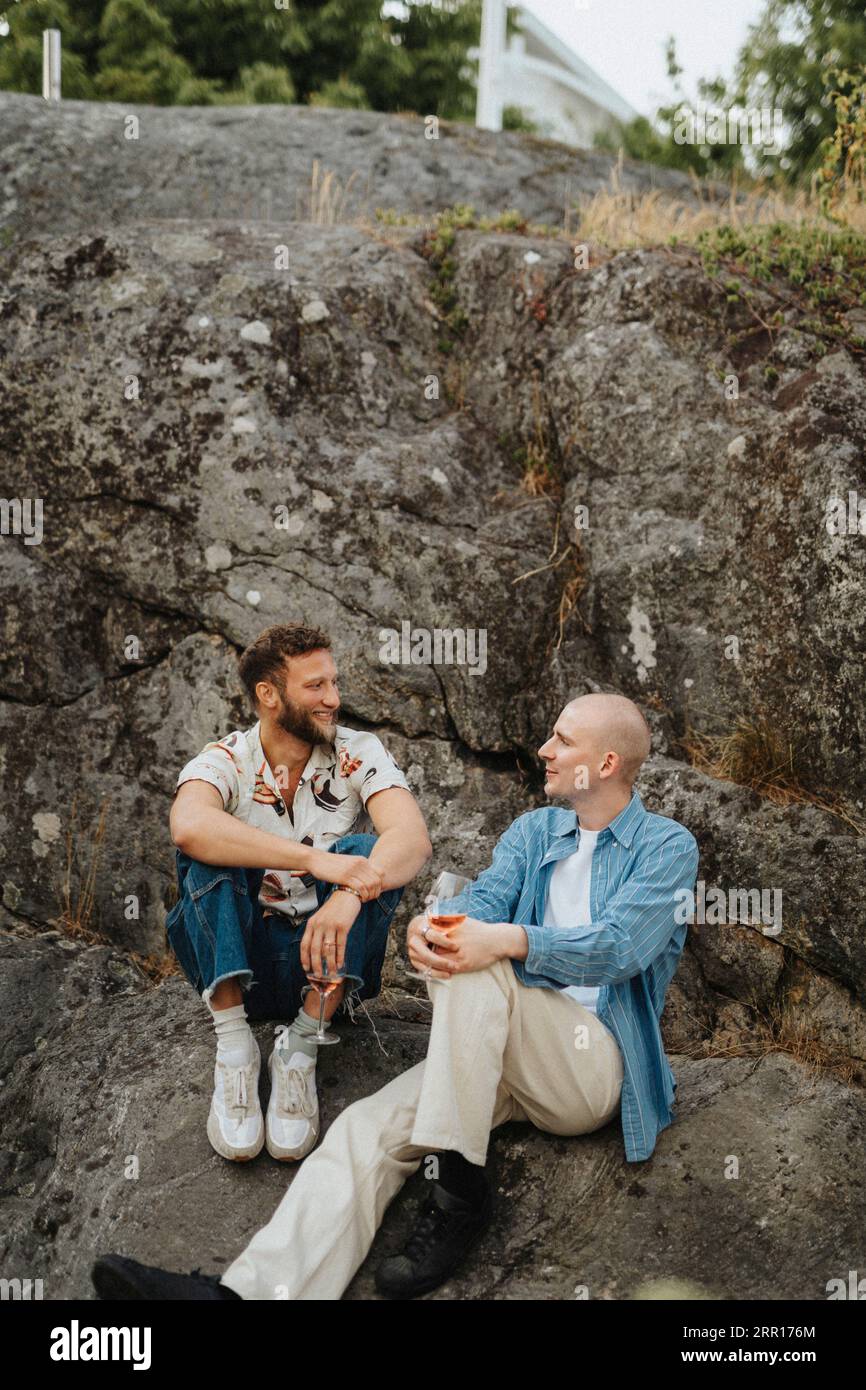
(630, 950)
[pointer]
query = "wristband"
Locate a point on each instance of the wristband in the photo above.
(344, 888)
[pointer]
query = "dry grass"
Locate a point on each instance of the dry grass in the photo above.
(456, 381)
(79, 882)
(158, 966)
(755, 754)
(79, 896)
(326, 200)
(571, 592)
(779, 1029)
(536, 480)
(553, 561)
(574, 584)
(539, 473)
(618, 219)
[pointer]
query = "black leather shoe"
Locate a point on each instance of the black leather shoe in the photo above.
(116, 1277)
(446, 1230)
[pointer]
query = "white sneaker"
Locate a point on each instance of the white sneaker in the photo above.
(235, 1125)
(292, 1122)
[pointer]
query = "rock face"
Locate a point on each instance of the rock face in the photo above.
(132, 1170)
(86, 164)
(230, 424)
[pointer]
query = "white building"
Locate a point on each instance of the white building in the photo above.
(553, 86)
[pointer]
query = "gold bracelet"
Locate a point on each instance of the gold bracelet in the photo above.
(344, 888)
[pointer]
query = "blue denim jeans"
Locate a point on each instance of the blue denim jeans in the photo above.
(218, 931)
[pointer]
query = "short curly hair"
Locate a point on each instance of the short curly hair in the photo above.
(265, 658)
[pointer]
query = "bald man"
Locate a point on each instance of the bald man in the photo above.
(546, 1005)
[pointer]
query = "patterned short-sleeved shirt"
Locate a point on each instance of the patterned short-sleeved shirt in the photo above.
(330, 801)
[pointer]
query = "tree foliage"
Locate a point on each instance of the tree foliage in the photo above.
(215, 52)
(786, 62)
(786, 65)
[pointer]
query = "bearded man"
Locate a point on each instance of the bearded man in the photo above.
(276, 882)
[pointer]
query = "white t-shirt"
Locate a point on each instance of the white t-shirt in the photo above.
(568, 903)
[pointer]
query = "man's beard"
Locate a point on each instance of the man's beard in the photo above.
(294, 719)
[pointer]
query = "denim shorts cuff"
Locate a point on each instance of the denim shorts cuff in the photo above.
(243, 977)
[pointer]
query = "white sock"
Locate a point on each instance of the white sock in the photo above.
(234, 1036)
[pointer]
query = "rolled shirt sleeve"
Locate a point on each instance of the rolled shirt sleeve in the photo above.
(638, 923)
(368, 767)
(218, 765)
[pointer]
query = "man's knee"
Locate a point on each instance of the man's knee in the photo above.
(499, 973)
(498, 970)
(197, 878)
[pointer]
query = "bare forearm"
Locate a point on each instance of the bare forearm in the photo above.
(514, 943)
(215, 837)
(399, 856)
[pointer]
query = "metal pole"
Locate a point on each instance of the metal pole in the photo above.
(488, 110)
(51, 64)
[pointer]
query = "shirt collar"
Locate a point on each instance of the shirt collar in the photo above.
(623, 827)
(563, 822)
(322, 755)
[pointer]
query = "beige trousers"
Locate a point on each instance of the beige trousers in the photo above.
(498, 1051)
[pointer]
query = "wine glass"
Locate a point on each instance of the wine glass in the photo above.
(447, 886)
(324, 983)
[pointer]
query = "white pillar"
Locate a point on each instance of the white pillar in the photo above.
(51, 64)
(488, 111)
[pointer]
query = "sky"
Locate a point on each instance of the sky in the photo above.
(624, 40)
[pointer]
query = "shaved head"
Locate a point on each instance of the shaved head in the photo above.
(615, 725)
